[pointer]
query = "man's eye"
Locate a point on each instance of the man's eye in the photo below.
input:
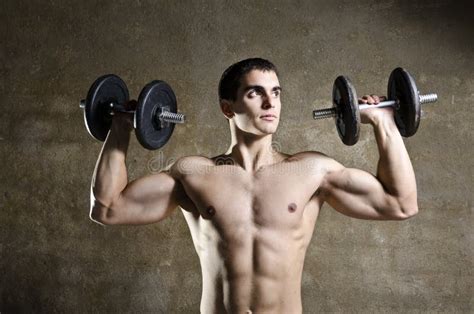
(276, 93)
(253, 93)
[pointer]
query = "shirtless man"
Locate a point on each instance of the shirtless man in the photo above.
(252, 211)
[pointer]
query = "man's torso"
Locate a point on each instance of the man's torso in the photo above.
(251, 230)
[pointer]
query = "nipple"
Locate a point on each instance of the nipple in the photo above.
(292, 207)
(211, 211)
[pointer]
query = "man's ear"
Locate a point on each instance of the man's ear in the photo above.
(226, 107)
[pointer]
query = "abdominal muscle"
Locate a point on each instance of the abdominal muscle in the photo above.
(259, 272)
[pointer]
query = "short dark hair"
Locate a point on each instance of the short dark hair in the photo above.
(230, 79)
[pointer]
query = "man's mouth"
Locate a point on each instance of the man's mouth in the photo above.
(268, 117)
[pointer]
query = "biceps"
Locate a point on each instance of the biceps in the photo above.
(359, 194)
(145, 200)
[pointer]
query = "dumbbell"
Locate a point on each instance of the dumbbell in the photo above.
(154, 117)
(403, 96)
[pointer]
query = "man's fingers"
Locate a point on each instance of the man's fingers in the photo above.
(375, 98)
(371, 99)
(368, 99)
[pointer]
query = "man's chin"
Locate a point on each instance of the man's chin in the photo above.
(262, 131)
(267, 131)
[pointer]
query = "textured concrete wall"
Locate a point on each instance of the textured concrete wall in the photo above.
(54, 259)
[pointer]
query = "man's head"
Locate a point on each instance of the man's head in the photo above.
(249, 94)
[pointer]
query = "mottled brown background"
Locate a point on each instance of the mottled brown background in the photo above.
(54, 259)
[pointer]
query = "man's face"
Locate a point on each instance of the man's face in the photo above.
(257, 107)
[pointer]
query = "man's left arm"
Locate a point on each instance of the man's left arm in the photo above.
(391, 194)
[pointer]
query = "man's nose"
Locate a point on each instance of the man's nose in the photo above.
(267, 102)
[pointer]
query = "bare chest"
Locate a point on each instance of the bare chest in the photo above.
(274, 197)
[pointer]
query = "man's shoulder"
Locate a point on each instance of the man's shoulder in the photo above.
(310, 156)
(194, 159)
(317, 160)
(188, 164)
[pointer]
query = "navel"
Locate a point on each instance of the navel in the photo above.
(211, 211)
(292, 207)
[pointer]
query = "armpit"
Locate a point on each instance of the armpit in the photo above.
(320, 192)
(184, 201)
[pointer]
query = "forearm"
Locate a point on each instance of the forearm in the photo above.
(394, 169)
(110, 175)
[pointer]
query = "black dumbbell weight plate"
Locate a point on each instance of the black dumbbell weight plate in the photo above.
(105, 90)
(402, 87)
(344, 100)
(154, 96)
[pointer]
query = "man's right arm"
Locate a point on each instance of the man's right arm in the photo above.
(116, 201)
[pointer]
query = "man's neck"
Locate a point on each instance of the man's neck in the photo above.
(253, 152)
